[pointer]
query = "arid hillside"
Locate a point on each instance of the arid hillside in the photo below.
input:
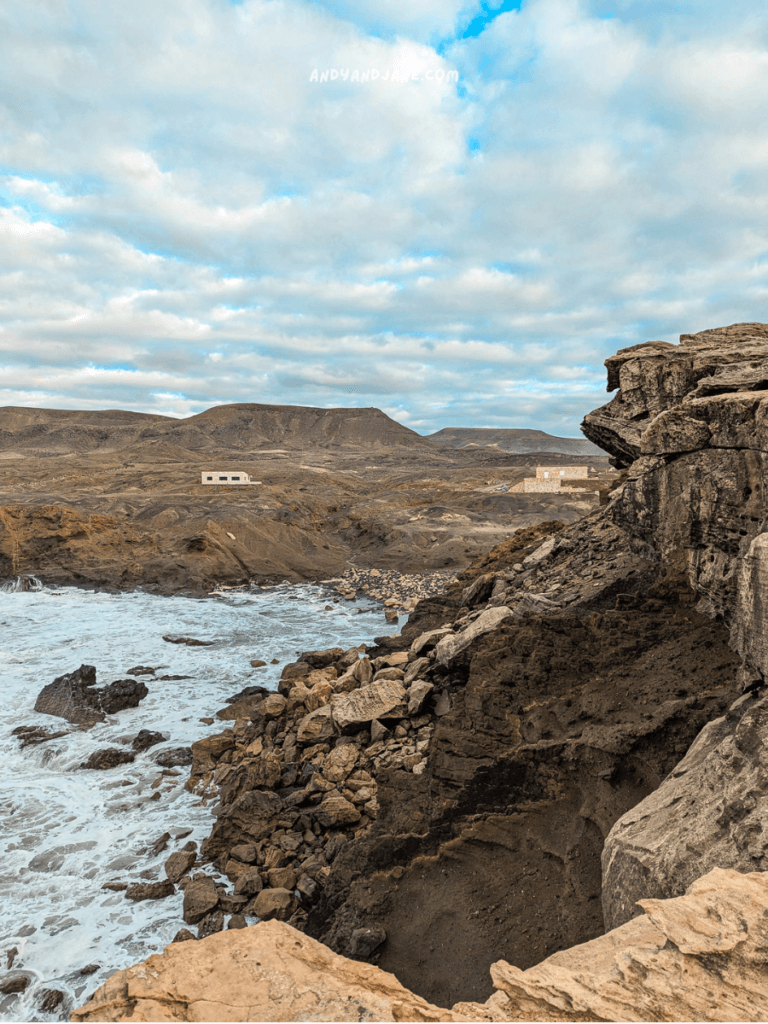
(115, 498)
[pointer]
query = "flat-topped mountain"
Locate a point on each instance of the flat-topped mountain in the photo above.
(517, 442)
(244, 427)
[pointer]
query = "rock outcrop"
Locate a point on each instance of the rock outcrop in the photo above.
(710, 811)
(702, 956)
(74, 697)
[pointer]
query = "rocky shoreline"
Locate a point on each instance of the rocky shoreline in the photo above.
(545, 798)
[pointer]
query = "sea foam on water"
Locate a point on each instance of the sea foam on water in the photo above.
(66, 831)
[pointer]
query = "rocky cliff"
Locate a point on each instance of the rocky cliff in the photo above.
(576, 725)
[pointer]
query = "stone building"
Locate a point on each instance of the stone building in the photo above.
(554, 479)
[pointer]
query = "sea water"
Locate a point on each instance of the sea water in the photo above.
(64, 830)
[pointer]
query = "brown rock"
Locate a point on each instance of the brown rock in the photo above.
(282, 878)
(418, 696)
(183, 935)
(200, 897)
(75, 697)
(290, 977)
(377, 700)
(340, 762)
(246, 852)
(150, 891)
(336, 812)
(237, 921)
(206, 752)
(249, 882)
(13, 985)
(275, 904)
(210, 924)
(257, 663)
(178, 864)
(111, 757)
(316, 727)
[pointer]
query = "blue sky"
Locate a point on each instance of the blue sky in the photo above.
(187, 218)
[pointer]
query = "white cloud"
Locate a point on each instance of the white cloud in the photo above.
(187, 219)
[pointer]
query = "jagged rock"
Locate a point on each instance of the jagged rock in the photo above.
(711, 811)
(454, 643)
(206, 752)
(52, 998)
(190, 641)
(145, 739)
(245, 852)
(542, 551)
(274, 904)
(340, 762)
(417, 696)
(334, 811)
(289, 977)
(110, 757)
(183, 935)
(429, 639)
(478, 591)
(210, 924)
(178, 864)
(200, 898)
(321, 659)
(75, 698)
(249, 882)
(354, 710)
(702, 956)
(414, 670)
(272, 706)
(316, 726)
(282, 878)
(150, 891)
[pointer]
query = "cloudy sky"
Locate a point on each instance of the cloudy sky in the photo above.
(204, 201)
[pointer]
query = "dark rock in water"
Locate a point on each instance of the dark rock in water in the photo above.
(74, 697)
(110, 757)
(150, 891)
(249, 691)
(321, 659)
(115, 886)
(13, 985)
(159, 844)
(183, 935)
(52, 998)
(141, 670)
(189, 641)
(122, 694)
(31, 735)
(175, 757)
(145, 739)
(89, 968)
(237, 921)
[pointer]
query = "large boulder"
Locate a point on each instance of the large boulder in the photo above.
(711, 811)
(702, 956)
(110, 757)
(267, 972)
(379, 700)
(74, 697)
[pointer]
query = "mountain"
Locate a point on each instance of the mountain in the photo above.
(245, 427)
(517, 442)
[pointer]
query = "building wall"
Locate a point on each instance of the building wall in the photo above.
(550, 472)
(227, 479)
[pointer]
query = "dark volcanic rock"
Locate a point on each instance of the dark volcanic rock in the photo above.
(51, 999)
(19, 983)
(174, 757)
(110, 757)
(189, 641)
(145, 739)
(75, 697)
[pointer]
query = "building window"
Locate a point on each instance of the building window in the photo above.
(562, 472)
(235, 478)
(222, 478)
(546, 476)
(209, 478)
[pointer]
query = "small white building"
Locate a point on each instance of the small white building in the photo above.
(234, 479)
(550, 480)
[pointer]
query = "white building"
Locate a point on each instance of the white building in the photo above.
(235, 479)
(553, 480)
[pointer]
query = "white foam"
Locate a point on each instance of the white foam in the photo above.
(66, 831)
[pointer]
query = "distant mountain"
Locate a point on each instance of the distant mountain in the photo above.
(245, 427)
(517, 442)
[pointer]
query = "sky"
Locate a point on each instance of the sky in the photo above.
(449, 209)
